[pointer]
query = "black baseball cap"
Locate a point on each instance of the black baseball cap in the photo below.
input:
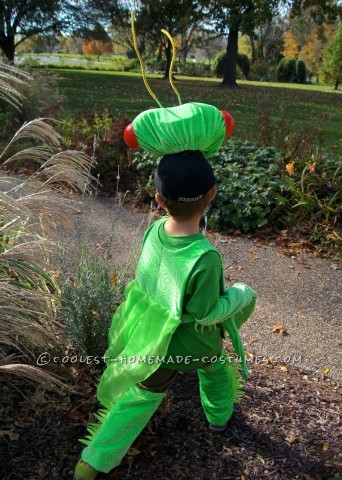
(184, 176)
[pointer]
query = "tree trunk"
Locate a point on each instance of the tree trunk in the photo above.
(7, 45)
(252, 43)
(229, 74)
(337, 83)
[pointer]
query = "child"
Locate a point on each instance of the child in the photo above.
(173, 318)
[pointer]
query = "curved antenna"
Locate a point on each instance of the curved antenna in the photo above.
(174, 51)
(142, 63)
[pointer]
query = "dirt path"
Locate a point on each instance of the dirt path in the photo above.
(300, 293)
(285, 425)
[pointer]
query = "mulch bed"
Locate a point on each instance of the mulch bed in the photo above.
(285, 427)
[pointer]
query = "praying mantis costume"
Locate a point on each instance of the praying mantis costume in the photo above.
(141, 332)
(146, 324)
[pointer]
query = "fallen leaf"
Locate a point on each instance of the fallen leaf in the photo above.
(133, 451)
(9, 433)
(291, 438)
(282, 368)
(326, 370)
(114, 279)
(252, 340)
(279, 329)
(325, 446)
(178, 470)
(41, 472)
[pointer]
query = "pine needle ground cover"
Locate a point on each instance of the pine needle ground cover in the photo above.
(309, 106)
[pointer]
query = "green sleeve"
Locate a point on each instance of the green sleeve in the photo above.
(203, 302)
(202, 294)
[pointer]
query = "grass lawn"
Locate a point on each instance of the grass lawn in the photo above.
(300, 105)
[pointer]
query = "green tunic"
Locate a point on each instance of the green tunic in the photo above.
(171, 308)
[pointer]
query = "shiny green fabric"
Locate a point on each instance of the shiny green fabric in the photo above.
(119, 428)
(220, 388)
(163, 273)
(141, 329)
(192, 126)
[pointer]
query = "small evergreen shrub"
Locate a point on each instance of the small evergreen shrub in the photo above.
(286, 70)
(89, 300)
(242, 62)
(218, 64)
(248, 179)
(300, 71)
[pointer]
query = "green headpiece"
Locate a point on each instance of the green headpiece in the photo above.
(191, 126)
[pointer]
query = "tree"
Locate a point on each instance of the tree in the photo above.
(291, 47)
(98, 42)
(21, 19)
(312, 50)
(234, 16)
(267, 41)
(332, 60)
(178, 17)
(96, 47)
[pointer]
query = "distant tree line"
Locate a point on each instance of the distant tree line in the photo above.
(271, 29)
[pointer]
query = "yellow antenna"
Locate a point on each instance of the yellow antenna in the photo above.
(174, 51)
(142, 63)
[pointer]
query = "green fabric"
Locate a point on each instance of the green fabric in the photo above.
(133, 337)
(244, 300)
(163, 272)
(119, 428)
(186, 266)
(192, 126)
(220, 388)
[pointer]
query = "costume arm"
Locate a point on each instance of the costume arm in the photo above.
(203, 302)
(235, 300)
(202, 297)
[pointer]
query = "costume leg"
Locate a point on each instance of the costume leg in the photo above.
(220, 387)
(122, 424)
(120, 427)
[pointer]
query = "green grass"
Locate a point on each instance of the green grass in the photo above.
(303, 105)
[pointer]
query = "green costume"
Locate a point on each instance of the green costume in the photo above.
(192, 126)
(147, 325)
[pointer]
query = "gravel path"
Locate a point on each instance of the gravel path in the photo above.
(300, 293)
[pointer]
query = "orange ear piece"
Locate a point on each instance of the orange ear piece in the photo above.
(229, 121)
(130, 138)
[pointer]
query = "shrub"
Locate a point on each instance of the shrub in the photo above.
(28, 289)
(242, 62)
(259, 70)
(286, 70)
(247, 180)
(89, 300)
(217, 65)
(300, 71)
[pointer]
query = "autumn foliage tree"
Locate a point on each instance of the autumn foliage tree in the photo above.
(97, 47)
(312, 50)
(291, 47)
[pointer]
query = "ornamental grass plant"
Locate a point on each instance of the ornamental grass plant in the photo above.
(29, 292)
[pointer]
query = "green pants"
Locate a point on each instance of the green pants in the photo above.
(130, 414)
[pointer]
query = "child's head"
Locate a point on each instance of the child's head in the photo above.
(185, 184)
